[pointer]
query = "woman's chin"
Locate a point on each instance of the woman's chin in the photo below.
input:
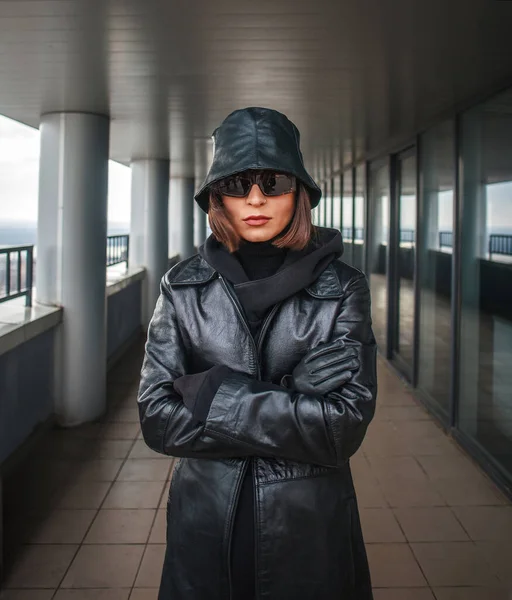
(258, 235)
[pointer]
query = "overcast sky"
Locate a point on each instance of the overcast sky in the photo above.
(19, 165)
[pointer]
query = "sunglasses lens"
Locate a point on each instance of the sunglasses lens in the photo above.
(275, 184)
(271, 184)
(237, 186)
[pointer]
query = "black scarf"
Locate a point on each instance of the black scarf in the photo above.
(294, 269)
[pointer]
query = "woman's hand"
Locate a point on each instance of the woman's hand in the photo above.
(325, 368)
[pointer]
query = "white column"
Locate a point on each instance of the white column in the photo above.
(203, 156)
(149, 226)
(182, 201)
(199, 225)
(71, 255)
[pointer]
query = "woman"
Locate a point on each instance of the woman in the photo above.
(260, 374)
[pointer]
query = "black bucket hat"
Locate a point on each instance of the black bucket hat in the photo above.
(256, 138)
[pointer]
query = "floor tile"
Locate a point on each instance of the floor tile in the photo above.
(41, 566)
(144, 594)
(89, 494)
(449, 467)
(145, 469)
(405, 493)
(393, 565)
(430, 524)
(122, 414)
(110, 448)
(120, 431)
(418, 429)
(165, 495)
(477, 491)
(486, 523)
(428, 445)
(26, 594)
(400, 467)
(174, 464)
(104, 469)
(403, 413)
(142, 450)
(134, 494)
(472, 593)
(499, 557)
(158, 531)
(94, 594)
(62, 526)
(380, 525)
(65, 447)
(369, 494)
(150, 571)
(401, 594)
(121, 527)
(453, 564)
(104, 566)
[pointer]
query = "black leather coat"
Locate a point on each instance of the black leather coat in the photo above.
(309, 544)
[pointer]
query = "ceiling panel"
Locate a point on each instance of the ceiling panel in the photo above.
(355, 75)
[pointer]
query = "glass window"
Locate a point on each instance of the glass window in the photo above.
(403, 344)
(485, 410)
(347, 212)
(378, 249)
(438, 181)
(359, 202)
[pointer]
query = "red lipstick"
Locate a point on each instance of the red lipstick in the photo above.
(255, 220)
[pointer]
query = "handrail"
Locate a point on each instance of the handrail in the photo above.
(13, 270)
(500, 243)
(407, 235)
(118, 247)
(347, 233)
(445, 239)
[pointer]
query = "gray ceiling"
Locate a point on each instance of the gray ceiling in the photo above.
(355, 75)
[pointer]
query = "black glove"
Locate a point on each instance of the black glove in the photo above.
(325, 368)
(198, 390)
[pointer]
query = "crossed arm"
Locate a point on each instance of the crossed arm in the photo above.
(323, 424)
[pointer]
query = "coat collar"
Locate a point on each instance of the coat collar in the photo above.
(196, 271)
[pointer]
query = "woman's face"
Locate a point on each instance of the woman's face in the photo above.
(259, 218)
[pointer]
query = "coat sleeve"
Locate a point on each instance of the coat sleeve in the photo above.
(274, 421)
(168, 426)
(254, 418)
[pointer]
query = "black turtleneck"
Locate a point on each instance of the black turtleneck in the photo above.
(259, 261)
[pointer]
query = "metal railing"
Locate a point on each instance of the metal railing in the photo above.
(16, 267)
(500, 244)
(118, 247)
(347, 233)
(445, 239)
(407, 236)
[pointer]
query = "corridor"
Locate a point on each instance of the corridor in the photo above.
(85, 519)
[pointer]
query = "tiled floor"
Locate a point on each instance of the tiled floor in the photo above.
(86, 519)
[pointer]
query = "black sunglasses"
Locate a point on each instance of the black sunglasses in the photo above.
(269, 182)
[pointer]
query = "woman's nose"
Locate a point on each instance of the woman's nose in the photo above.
(256, 197)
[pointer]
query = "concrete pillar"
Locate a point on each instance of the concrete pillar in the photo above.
(149, 226)
(203, 156)
(71, 255)
(182, 203)
(200, 219)
(174, 225)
